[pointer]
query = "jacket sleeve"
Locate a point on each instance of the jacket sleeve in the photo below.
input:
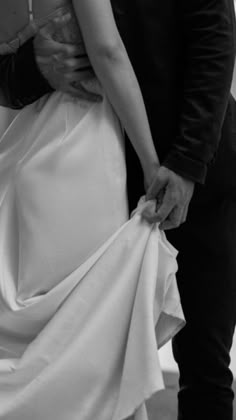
(209, 53)
(21, 83)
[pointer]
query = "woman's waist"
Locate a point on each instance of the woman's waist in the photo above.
(91, 85)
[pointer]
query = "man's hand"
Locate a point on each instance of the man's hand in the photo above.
(64, 66)
(173, 194)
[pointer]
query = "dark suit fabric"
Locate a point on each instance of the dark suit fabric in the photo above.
(207, 284)
(183, 54)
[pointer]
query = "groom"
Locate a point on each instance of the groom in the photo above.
(183, 54)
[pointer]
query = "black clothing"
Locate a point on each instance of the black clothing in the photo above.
(20, 80)
(207, 285)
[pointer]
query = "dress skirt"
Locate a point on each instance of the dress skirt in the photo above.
(87, 295)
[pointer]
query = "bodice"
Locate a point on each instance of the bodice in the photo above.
(54, 8)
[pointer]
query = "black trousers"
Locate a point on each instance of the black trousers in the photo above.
(207, 285)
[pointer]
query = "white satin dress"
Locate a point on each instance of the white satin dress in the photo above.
(86, 295)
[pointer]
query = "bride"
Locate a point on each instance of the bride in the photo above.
(86, 295)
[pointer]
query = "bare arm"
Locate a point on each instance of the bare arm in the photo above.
(113, 68)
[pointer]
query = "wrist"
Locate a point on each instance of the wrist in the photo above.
(150, 170)
(150, 165)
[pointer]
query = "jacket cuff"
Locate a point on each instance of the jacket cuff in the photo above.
(186, 167)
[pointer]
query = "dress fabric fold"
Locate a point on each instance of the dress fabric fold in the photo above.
(87, 295)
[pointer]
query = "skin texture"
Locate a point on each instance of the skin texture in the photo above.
(64, 66)
(173, 194)
(172, 191)
(113, 68)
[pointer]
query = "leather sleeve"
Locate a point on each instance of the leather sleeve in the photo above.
(209, 51)
(20, 80)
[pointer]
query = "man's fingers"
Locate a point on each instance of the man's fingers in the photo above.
(56, 50)
(167, 225)
(69, 51)
(68, 68)
(45, 43)
(168, 219)
(174, 220)
(172, 208)
(85, 75)
(55, 24)
(166, 207)
(65, 66)
(72, 64)
(163, 209)
(75, 78)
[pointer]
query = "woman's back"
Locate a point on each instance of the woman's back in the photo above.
(20, 18)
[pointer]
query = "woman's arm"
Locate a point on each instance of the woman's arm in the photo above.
(113, 68)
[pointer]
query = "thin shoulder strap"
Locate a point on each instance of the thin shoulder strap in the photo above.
(30, 8)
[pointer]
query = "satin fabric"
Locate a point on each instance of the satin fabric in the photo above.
(86, 295)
